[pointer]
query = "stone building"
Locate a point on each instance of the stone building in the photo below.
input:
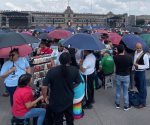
(28, 19)
(146, 18)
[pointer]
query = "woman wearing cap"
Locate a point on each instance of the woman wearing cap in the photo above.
(12, 70)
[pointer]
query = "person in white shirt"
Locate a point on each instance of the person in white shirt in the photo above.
(141, 63)
(87, 67)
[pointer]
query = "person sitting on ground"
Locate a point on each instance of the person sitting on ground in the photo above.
(106, 65)
(23, 107)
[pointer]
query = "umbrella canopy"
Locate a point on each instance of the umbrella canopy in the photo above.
(115, 38)
(98, 35)
(71, 30)
(24, 50)
(43, 36)
(16, 39)
(134, 29)
(87, 27)
(146, 38)
(38, 29)
(59, 34)
(27, 33)
(84, 42)
(131, 40)
(101, 31)
(1, 31)
(49, 29)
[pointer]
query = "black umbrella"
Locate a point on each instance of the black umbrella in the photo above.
(16, 39)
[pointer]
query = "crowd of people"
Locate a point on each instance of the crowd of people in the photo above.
(57, 90)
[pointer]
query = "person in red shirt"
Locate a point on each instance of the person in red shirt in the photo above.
(23, 106)
(44, 49)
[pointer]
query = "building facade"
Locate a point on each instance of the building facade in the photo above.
(28, 19)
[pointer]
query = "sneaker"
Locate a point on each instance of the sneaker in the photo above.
(117, 106)
(126, 108)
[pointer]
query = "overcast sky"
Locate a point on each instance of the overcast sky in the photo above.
(136, 7)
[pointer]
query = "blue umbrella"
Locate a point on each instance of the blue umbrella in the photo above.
(49, 29)
(38, 29)
(130, 40)
(71, 30)
(87, 27)
(98, 35)
(43, 36)
(84, 42)
(1, 31)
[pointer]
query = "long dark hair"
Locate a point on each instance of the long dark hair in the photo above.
(24, 80)
(14, 50)
(64, 59)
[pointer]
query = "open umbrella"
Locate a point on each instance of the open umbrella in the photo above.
(98, 35)
(71, 30)
(84, 42)
(24, 50)
(131, 40)
(101, 31)
(59, 34)
(16, 39)
(27, 33)
(49, 29)
(1, 31)
(43, 36)
(146, 38)
(115, 38)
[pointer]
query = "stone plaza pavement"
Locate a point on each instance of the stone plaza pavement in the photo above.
(103, 113)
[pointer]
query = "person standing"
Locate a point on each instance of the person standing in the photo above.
(12, 70)
(87, 67)
(43, 49)
(123, 64)
(141, 63)
(61, 81)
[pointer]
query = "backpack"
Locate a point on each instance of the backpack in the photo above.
(134, 99)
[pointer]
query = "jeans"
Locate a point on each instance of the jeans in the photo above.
(125, 81)
(11, 91)
(35, 112)
(140, 83)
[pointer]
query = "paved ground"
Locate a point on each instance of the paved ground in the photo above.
(103, 113)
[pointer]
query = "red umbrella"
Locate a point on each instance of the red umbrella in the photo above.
(102, 31)
(115, 38)
(24, 50)
(59, 34)
(27, 33)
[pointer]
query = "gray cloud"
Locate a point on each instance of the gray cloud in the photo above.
(137, 7)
